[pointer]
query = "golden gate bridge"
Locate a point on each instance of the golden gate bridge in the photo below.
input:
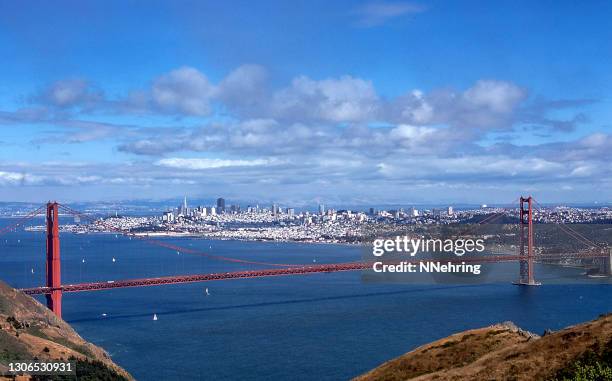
(54, 289)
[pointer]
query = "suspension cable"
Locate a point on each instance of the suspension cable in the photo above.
(22, 220)
(571, 231)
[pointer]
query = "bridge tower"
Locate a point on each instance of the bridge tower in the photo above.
(526, 277)
(54, 299)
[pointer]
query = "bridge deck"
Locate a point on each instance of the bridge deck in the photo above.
(323, 268)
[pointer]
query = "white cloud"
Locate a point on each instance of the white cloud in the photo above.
(244, 88)
(204, 163)
(345, 99)
(71, 92)
(15, 178)
(412, 133)
(11, 178)
(487, 105)
(183, 90)
(335, 131)
(498, 96)
(378, 13)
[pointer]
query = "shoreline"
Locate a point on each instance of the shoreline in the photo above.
(195, 235)
(201, 236)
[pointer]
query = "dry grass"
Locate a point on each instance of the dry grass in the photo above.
(499, 352)
(29, 330)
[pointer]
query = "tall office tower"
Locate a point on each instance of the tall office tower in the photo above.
(450, 211)
(182, 209)
(220, 205)
(321, 209)
(275, 210)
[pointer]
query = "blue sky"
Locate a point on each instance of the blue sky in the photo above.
(306, 101)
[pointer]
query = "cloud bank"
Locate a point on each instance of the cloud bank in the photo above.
(329, 137)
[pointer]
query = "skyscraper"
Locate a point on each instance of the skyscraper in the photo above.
(182, 209)
(220, 205)
(321, 209)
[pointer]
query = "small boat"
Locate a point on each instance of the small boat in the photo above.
(206, 291)
(154, 317)
(83, 261)
(103, 315)
(114, 260)
(32, 271)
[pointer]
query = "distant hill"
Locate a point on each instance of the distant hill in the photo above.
(28, 331)
(505, 352)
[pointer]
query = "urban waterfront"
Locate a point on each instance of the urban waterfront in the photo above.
(325, 326)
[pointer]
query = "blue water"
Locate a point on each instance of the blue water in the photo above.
(315, 327)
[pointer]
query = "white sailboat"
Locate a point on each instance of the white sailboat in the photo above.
(206, 291)
(154, 317)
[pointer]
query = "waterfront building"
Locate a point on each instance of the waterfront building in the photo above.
(168, 216)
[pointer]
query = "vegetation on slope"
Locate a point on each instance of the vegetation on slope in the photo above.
(30, 332)
(593, 365)
(505, 352)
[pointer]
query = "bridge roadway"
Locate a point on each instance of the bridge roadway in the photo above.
(303, 270)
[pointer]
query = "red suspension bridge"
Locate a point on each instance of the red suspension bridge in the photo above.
(54, 289)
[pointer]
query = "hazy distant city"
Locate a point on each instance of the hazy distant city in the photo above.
(323, 224)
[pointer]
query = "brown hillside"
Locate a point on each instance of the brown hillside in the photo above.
(498, 352)
(29, 330)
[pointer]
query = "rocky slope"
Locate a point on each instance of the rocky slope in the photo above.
(505, 352)
(28, 330)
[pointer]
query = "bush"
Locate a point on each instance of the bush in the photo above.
(590, 366)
